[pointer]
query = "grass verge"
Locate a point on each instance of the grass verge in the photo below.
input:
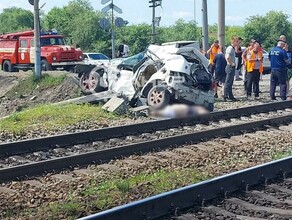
(30, 84)
(117, 190)
(280, 154)
(52, 117)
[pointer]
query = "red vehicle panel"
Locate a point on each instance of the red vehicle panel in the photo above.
(17, 51)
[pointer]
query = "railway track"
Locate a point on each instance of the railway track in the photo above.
(199, 147)
(35, 157)
(256, 193)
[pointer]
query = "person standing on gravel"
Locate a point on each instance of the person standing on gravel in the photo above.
(212, 52)
(279, 61)
(238, 55)
(254, 67)
(289, 72)
(244, 55)
(230, 69)
(289, 66)
(219, 73)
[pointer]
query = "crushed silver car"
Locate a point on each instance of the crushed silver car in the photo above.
(174, 72)
(178, 73)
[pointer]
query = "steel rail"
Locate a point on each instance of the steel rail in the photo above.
(26, 146)
(189, 196)
(102, 156)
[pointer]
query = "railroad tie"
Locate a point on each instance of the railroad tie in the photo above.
(150, 158)
(168, 154)
(255, 208)
(227, 214)
(256, 136)
(289, 181)
(270, 198)
(241, 139)
(85, 172)
(214, 145)
(62, 177)
(5, 190)
(33, 183)
(110, 167)
(130, 162)
(279, 188)
(19, 159)
(286, 128)
(201, 147)
(185, 151)
(230, 141)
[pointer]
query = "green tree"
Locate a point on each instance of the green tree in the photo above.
(181, 30)
(138, 37)
(234, 31)
(78, 22)
(15, 19)
(213, 33)
(268, 28)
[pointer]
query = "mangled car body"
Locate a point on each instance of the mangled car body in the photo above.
(175, 72)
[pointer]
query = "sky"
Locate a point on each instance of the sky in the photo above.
(138, 11)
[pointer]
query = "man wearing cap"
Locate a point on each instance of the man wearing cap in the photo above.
(279, 60)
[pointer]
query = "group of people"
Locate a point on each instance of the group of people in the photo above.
(226, 68)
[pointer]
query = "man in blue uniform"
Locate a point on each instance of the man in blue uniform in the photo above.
(279, 61)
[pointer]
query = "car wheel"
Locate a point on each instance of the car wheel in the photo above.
(158, 97)
(8, 67)
(90, 83)
(45, 66)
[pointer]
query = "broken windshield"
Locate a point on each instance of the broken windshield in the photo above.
(130, 62)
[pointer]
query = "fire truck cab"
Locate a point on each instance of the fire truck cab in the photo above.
(17, 52)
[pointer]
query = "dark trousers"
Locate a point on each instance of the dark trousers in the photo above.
(278, 77)
(245, 83)
(253, 83)
(230, 72)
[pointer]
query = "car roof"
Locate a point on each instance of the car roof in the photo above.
(93, 53)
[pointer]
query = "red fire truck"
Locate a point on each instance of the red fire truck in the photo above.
(17, 52)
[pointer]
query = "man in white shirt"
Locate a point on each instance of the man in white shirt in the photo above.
(230, 69)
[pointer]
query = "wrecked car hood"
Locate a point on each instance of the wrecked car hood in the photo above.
(123, 75)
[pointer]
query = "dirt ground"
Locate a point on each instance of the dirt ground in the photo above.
(67, 90)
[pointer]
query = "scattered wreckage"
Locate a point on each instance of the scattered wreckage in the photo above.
(171, 73)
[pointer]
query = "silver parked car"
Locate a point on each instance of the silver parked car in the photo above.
(95, 59)
(266, 62)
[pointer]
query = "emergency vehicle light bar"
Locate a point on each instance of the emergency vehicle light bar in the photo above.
(50, 32)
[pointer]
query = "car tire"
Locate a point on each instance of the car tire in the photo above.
(90, 83)
(158, 97)
(45, 66)
(7, 66)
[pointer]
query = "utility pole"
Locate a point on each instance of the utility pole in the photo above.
(104, 23)
(154, 4)
(205, 25)
(221, 23)
(113, 33)
(195, 15)
(37, 41)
